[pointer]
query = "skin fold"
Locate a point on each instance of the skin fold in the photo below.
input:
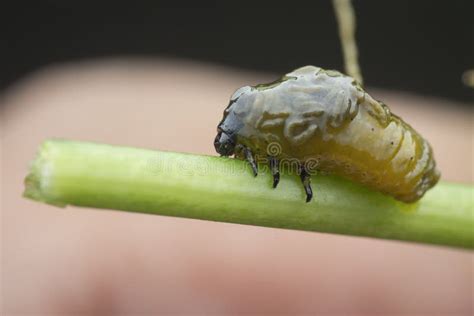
(326, 122)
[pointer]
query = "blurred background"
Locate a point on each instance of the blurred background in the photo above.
(419, 46)
(155, 76)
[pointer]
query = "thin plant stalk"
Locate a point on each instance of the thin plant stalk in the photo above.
(346, 21)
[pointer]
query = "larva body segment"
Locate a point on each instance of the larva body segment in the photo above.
(325, 118)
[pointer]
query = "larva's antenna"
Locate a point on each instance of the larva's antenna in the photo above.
(346, 21)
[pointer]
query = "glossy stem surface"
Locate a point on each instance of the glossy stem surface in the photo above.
(223, 189)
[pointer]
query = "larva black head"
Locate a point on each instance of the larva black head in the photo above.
(224, 144)
(230, 125)
(226, 138)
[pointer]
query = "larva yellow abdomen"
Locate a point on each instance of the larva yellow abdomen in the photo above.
(327, 122)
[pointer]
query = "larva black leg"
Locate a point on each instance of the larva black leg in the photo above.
(306, 180)
(249, 156)
(275, 171)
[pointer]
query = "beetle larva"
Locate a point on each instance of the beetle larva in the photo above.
(325, 118)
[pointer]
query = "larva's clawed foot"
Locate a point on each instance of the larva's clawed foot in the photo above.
(251, 160)
(309, 193)
(306, 180)
(274, 167)
(276, 179)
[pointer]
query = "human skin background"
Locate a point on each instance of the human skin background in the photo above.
(96, 262)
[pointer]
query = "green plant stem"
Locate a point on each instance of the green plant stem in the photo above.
(223, 189)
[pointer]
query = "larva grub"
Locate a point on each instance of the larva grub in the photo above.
(326, 121)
